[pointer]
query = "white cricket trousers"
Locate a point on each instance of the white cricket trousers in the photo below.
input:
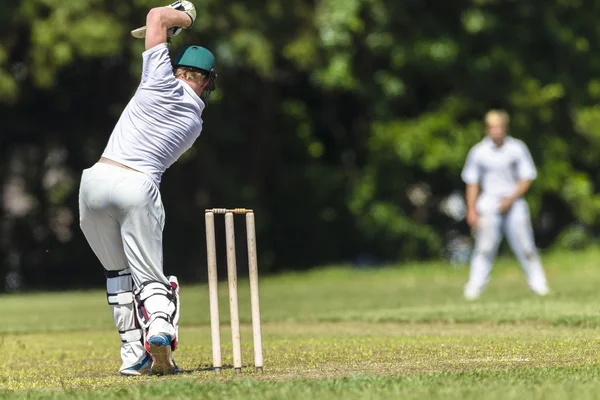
(516, 225)
(122, 218)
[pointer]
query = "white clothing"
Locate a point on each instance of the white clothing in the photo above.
(516, 225)
(122, 217)
(121, 211)
(160, 123)
(119, 289)
(497, 170)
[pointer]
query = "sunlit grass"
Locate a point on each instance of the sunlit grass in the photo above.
(333, 332)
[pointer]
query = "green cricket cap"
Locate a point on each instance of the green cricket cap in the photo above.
(195, 57)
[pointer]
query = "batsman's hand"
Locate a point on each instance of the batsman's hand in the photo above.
(179, 5)
(188, 8)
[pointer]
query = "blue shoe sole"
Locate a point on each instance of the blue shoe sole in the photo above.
(160, 340)
(162, 356)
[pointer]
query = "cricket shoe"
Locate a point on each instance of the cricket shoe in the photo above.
(472, 294)
(162, 355)
(141, 368)
(543, 291)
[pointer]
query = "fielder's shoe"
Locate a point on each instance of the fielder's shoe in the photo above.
(141, 368)
(162, 355)
(472, 294)
(542, 291)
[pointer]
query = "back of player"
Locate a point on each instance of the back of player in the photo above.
(161, 122)
(121, 211)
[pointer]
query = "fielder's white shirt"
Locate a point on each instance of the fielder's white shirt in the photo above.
(160, 123)
(497, 170)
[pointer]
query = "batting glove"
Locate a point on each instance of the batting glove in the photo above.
(180, 5)
(188, 8)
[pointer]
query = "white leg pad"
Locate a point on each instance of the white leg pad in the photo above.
(119, 294)
(158, 308)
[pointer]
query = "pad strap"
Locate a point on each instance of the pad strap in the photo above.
(117, 274)
(119, 287)
(116, 299)
(150, 289)
(160, 315)
(131, 336)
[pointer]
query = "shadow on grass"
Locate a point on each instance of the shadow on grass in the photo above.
(208, 368)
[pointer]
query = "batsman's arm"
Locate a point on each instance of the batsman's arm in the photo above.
(161, 19)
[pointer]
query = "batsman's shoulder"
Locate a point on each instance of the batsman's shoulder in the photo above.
(157, 70)
(160, 50)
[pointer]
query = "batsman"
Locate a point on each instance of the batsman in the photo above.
(120, 206)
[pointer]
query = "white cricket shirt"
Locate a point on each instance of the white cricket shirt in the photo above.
(497, 170)
(160, 123)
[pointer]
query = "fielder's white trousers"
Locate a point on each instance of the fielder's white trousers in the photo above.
(516, 226)
(122, 218)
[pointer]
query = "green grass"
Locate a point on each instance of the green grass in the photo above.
(333, 333)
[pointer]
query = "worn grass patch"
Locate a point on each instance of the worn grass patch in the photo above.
(336, 332)
(547, 383)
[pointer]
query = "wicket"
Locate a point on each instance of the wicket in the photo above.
(211, 255)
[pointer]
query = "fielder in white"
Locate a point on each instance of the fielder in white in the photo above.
(121, 212)
(498, 172)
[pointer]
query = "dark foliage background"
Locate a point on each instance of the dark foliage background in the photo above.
(343, 123)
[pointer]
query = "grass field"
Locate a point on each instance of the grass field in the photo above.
(333, 333)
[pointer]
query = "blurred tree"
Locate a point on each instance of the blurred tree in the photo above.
(344, 123)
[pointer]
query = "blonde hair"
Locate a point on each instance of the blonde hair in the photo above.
(495, 114)
(190, 74)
